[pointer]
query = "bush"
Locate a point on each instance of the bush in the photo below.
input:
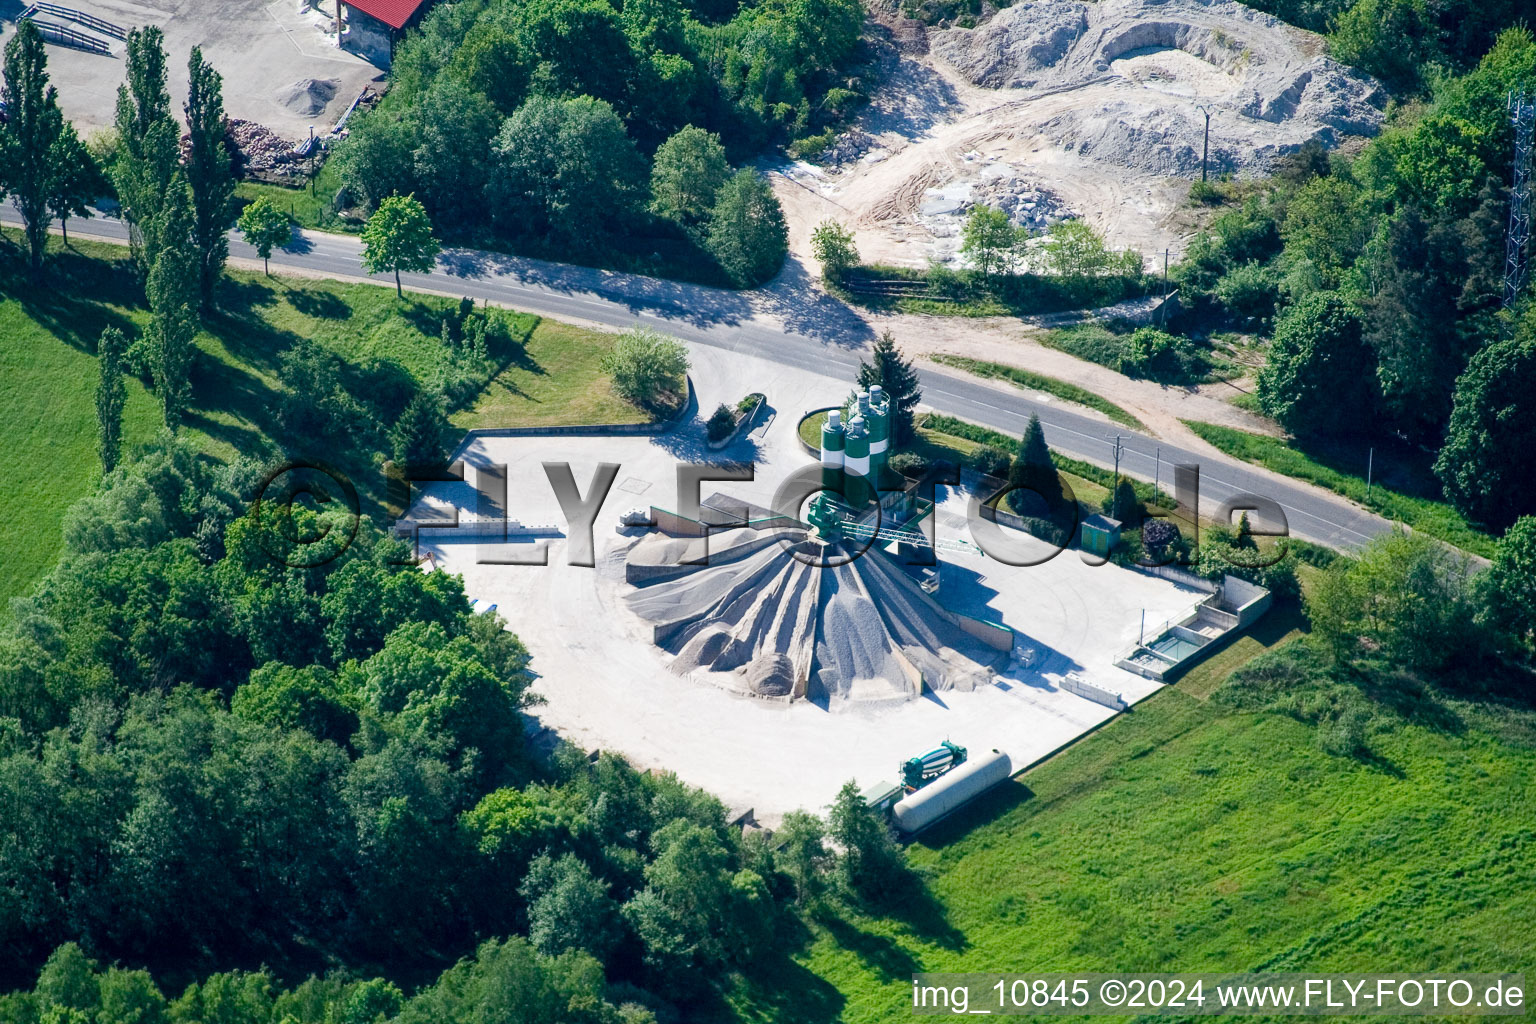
(1150, 352)
(647, 366)
(721, 422)
(1157, 534)
(1249, 291)
(988, 461)
(1205, 193)
(909, 464)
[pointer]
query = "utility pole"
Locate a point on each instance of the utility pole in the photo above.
(1370, 470)
(1118, 448)
(1205, 150)
(311, 159)
(1157, 475)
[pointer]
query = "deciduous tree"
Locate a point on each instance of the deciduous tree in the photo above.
(172, 289)
(686, 175)
(1485, 462)
(33, 124)
(399, 237)
(833, 245)
(110, 396)
(747, 234)
(264, 226)
(208, 170)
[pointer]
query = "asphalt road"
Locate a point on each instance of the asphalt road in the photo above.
(800, 327)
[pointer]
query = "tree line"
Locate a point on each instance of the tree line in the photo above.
(584, 128)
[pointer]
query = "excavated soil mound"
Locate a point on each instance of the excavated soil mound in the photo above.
(1269, 84)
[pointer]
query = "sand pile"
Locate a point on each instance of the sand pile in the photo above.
(1268, 84)
(758, 620)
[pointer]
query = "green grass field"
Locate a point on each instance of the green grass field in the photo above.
(1430, 515)
(1040, 382)
(557, 380)
(1185, 837)
(48, 360)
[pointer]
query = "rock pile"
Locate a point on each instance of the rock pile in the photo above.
(261, 149)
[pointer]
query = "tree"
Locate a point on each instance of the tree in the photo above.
(686, 176)
(888, 368)
(145, 187)
(871, 865)
(264, 226)
(833, 245)
(1388, 38)
(747, 234)
(110, 396)
(1483, 465)
(75, 181)
(142, 100)
(989, 240)
(399, 237)
(646, 365)
(1074, 250)
(208, 170)
(149, 137)
(1508, 587)
(172, 293)
(1321, 376)
(418, 434)
(569, 908)
(32, 127)
(1406, 597)
(1033, 470)
(452, 161)
(803, 854)
(570, 173)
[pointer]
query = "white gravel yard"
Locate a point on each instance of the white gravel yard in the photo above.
(606, 686)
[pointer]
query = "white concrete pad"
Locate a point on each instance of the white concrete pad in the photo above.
(607, 686)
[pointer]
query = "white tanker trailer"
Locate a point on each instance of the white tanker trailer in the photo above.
(916, 811)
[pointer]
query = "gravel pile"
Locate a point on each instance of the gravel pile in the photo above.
(1268, 85)
(750, 620)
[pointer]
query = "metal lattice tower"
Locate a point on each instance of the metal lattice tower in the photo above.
(1522, 116)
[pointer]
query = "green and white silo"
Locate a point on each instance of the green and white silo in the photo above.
(832, 440)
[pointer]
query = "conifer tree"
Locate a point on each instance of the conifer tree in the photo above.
(889, 369)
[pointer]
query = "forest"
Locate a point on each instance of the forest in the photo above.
(591, 131)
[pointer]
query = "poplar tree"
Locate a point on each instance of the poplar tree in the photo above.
(33, 122)
(208, 171)
(110, 396)
(144, 122)
(172, 292)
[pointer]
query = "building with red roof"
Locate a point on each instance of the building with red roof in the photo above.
(369, 28)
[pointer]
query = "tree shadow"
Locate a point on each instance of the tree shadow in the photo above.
(882, 954)
(794, 298)
(318, 303)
